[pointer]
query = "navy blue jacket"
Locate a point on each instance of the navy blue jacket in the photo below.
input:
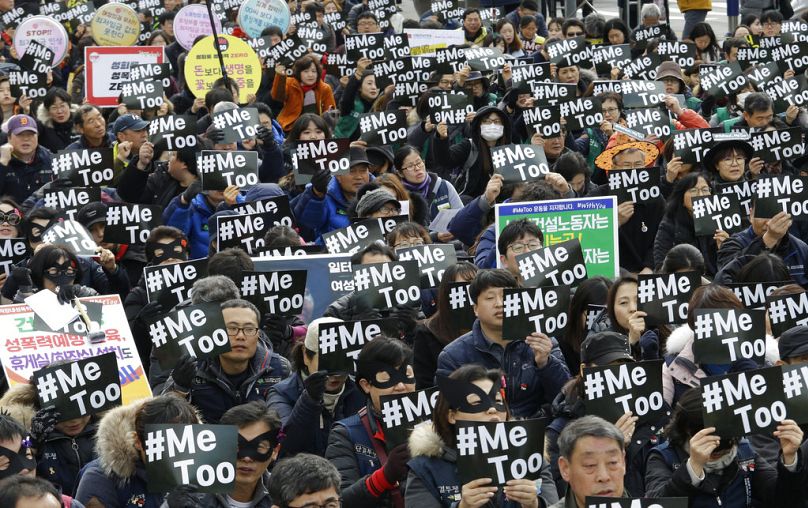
(529, 387)
(62, 457)
(20, 179)
(738, 249)
(468, 222)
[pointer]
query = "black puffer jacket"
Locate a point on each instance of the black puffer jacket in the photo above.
(154, 186)
(62, 457)
(678, 229)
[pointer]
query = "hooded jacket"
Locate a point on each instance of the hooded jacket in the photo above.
(55, 136)
(325, 214)
(192, 219)
(63, 456)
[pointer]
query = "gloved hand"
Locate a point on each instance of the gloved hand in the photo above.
(183, 496)
(149, 311)
(315, 385)
(191, 191)
(265, 135)
(649, 345)
(67, 293)
(278, 329)
(184, 373)
(215, 135)
(42, 424)
(396, 468)
(319, 182)
(21, 276)
(406, 317)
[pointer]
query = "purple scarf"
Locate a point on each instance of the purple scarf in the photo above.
(423, 187)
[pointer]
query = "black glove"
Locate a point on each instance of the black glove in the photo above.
(215, 135)
(183, 496)
(67, 293)
(191, 191)
(319, 181)
(265, 135)
(278, 329)
(406, 317)
(149, 311)
(21, 276)
(42, 424)
(315, 385)
(184, 373)
(396, 468)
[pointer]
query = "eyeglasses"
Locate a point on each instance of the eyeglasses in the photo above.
(734, 160)
(520, 247)
(57, 107)
(389, 210)
(418, 165)
(248, 331)
(12, 218)
(699, 191)
(611, 110)
(770, 24)
(330, 503)
(415, 242)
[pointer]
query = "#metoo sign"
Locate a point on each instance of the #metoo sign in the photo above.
(501, 451)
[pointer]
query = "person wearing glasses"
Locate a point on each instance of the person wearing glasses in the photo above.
(517, 238)
(54, 119)
(243, 374)
(732, 161)
(772, 22)
(439, 194)
(305, 481)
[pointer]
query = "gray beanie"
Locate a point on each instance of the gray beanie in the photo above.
(373, 201)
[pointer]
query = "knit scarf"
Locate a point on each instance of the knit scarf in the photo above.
(422, 187)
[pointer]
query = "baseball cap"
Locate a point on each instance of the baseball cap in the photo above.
(92, 213)
(603, 348)
(125, 122)
(358, 156)
(793, 342)
(21, 123)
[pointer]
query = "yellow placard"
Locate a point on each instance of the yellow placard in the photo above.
(241, 63)
(115, 25)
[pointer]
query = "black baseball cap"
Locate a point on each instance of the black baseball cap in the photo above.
(603, 348)
(793, 342)
(92, 213)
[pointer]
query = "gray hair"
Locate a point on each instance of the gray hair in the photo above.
(215, 288)
(224, 106)
(299, 475)
(651, 11)
(587, 426)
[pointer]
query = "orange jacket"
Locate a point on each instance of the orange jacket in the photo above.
(291, 95)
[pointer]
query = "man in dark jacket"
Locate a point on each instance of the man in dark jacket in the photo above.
(24, 165)
(534, 368)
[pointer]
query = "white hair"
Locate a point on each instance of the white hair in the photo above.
(651, 11)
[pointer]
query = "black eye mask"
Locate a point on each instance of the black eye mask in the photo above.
(173, 250)
(62, 278)
(397, 375)
(34, 231)
(458, 392)
(250, 448)
(17, 462)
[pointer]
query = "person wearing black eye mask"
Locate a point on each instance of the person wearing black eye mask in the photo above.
(471, 393)
(56, 268)
(16, 456)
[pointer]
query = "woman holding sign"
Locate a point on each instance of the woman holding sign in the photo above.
(438, 193)
(302, 92)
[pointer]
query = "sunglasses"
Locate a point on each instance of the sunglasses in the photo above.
(12, 218)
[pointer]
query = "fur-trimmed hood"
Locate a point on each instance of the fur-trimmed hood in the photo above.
(19, 402)
(46, 120)
(425, 442)
(115, 441)
(682, 337)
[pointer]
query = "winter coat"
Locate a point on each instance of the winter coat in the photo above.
(426, 348)
(741, 247)
(55, 136)
(468, 222)
(20, 179)
(289, 91)
(260, 498)
(441, 195)
(433, 481)
(677, 230)
(93, 277)
(351, 107)
(325, 214)
(148, 187)
(528, 387)
(62, 457)
(306, 422)
(193, 221)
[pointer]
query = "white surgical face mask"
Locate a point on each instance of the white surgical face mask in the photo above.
(491, 132)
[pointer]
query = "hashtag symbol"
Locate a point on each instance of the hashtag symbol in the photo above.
(154, 281)
(206, 164)
(757, 143)
(777, 311)
(593, 385)
(50, 200)
(391, 413)
(645, 291)
(457, 297)
(332, 244)
(225, 230)
(60, 164)
(249, 285)
(698, 208)
(466, 440)
(614, 180)
(704, 324)
(678, 142)
(303, 151)
(154, 446)
(47, 387)
(512, 305)
(361, 280)
(157, 331)
(328, 340)
(711, 396)
(152, 128)
(527, 268)
(764, 187)
(364, 124)
(218, 122)
(441, 56)
(113, 215)
(792, 384)
(498, 158)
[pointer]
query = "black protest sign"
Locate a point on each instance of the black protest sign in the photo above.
(13, 17)
(789, 26)
(664, 298)
(286, 52)
(753, 56)
(657, 502)
(637, 185)
(383, 128)
(485, 59)
(314, 37)
(535, 310)
(402, 412)
(143, 94)
(392, 71)
(358, 235)
(87, 167)
(298, 250)
(78, 14)
(778, 145)
(302, 18)
(280, 293)
(368, 45)
(131, 223)
(197, 331)
(276, 210)
(753, 295)
(651, 121)
(561, 264)
(548, 93)
(447, 9)
(185, 454)
(340, 343)
(432, 260)
(782, 193)
(741, 403)
(309, 157)
(336, 21)
(787, 311)
(683, 53)
(722, 79)
(243, 231)
(220, 169)
(80, 388)
(386, 285)
(37, 58)
(12, 251)
(530, 73)
(173, 131)
(593, 312)
(795, 386)
(171, 284)
(642, 94)
(408, 93)
(744, 191)
(607, 57)
(70, 200)
(29, 84)
(575, 51)
(691, 145)
(723, 336)
(450, 60)
(717, 212)
(614, 390)
(451, 108)
(501, 451)
(237, 124)
(582, 112)
(261, 46)
(461, 310)
(72, 233)
(599, 87)
(520, 163)
(644, 67)
(787, 92)
(396, 46)
(791, 56)
(157, 71)
(646, 33)
(544, 120)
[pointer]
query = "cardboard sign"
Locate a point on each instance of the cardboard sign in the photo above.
(726, 335)
(664, 298)
(276, 210)
(367, 45)
(681, 52)
(46, 31)
(607, 57)
(561, 264)
(432, 260)
(221, 168)
(485, 59)
(107, 69)
(88, 167)
(778, 145)
(753, 295)
(115, 24)
(12, 251)
(722, 80)
(546, 121)
(310, 157)
(553, 94)
(192, 22)
(795, 386)
(358, 235)
(691, 145)
(197, 331)
(202, 68)
(275, 293)
(535, 310)
(501, 451)
(449, 60)
(520, 163)
(787, 311)
(582, 112)
(383, 128)
(340, 343)
(576, 51)
(28, 84)
(643, 67)
(131, 223)
(637, 185)
(657, 502)
(452, 108)
(74, 234)
(80, 388)
(613, 390)
(386, 285)
(237, 124)
(38, 58)
(401, 413)
(184, 454)
(651, 121)
(744, 190)
(717, 212)
(530, 73)
(145, 94)
(173, 131)
(782, 193)
(461, 309)
(741, 403)
(244, 232)
(172, 284)
(642, 94)
(787, 92)
(69, 201)
(256, 15)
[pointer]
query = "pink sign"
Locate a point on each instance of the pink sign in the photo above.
(46, 31)
(191, 22)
